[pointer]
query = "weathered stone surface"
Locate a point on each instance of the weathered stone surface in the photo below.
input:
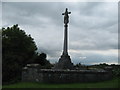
(64, 76)
(64, 63)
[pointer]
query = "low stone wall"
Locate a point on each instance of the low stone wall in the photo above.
(33, 74)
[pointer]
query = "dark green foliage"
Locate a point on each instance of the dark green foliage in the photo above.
(41, 59)
(116, 70)
(80, 66)
(18, 49)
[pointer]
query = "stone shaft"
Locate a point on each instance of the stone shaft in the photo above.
(65, 49)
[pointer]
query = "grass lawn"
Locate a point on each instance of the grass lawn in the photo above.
(105, 84)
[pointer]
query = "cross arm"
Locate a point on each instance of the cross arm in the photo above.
(69, 12)
(63, 13)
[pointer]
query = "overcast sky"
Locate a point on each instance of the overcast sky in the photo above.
(93, 28)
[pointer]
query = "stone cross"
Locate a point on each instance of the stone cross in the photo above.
(66, 17)
(65, 60)
(66, 21)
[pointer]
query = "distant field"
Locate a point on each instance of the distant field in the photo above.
(105, 84)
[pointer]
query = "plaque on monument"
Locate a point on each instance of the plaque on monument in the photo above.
(65, 61)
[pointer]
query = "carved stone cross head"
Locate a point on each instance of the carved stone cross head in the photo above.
(66, 17)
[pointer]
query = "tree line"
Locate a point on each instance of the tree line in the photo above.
(18, 49)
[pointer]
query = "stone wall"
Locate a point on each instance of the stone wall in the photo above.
(34, 74)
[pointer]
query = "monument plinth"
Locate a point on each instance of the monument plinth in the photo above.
(65, 61)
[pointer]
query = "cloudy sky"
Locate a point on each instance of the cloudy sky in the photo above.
(93, 28)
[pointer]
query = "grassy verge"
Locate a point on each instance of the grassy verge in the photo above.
(105, 84)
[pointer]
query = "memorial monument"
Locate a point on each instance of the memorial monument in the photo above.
(60, 72)
(65, 61)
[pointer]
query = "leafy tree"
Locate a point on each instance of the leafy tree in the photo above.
(41, 59)
(18, 49)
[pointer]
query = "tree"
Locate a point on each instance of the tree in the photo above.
(41, 59)
(18, 49)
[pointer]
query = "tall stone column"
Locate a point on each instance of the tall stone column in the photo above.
(65, 61)
(65, 48)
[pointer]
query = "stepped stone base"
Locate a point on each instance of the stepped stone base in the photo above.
(64, 63)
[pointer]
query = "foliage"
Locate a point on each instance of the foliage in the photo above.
(116, 70)
(80, 66)
(18, 49)
(41, 59)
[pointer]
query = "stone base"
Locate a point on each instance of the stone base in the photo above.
(64, 63)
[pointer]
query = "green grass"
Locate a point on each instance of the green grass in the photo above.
(105, 84)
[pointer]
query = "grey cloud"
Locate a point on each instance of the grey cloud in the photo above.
(93, 26)
(30, 14)
(91, 58)
(89, 8)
